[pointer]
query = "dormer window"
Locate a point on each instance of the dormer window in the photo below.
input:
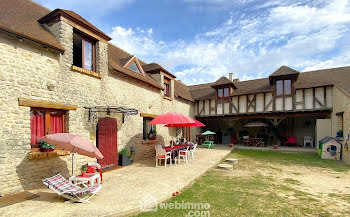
(223, 93)
(283, 87)
(84, 51)
(167, 83)
(131, 63)
(134, 67)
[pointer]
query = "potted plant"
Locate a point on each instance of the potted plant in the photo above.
(152, 134)
(83, 170)
(124, 158)
(46, 147)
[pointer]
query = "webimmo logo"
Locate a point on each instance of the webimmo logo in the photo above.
(148, 203)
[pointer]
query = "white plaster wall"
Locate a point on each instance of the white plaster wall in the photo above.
(226, 108)
(268, 97)
(308, 98)
(319, 94)
(260, 102)
(235, 103)
(242, 104)
(299, 99)
(288, 103)
(206, 108)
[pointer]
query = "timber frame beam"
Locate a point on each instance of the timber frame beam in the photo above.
(44, 104)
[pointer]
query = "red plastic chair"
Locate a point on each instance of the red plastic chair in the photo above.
(291, 141)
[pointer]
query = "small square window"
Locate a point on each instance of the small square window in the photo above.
(279, 88)
(84, 52)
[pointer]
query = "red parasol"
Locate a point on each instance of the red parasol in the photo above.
(172, 119)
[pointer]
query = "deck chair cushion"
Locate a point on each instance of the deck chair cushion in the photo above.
(60, 184)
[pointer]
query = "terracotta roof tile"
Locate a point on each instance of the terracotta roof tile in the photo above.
(339, 77)
(21, 18)
(284, 70)
(182, 91)
(115, 54)
(223, 81)
(155, 66)
(76, 18)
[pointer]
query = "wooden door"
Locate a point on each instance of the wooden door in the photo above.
(107, 142)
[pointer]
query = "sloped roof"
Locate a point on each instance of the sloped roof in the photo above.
(155, 66)
(223, 81)
(115, 54)
(339, 77)
(74, 17)
(124, 60)
(182, 91)
(327, 139)
(284, 70)
(21, 17)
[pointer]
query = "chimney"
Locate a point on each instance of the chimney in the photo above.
(230, 76)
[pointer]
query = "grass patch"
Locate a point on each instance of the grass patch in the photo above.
(259, 194)
(254, 196)
(292, 181)
(312, 160)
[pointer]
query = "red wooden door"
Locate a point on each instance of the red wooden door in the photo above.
(107, 142)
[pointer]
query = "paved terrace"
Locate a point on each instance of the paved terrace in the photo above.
(122, 188)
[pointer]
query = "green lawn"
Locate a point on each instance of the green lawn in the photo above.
(258, 194)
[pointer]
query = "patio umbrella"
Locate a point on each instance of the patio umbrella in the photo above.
(207, 133)
(256, 124)
(172, 120)
(195, 124)
(74, 144)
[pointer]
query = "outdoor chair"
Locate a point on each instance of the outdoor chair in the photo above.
(184, 155)
(94, 167)
(161, 154)
(72, 192)
(308, 140)
(192, 151)
(291, 141)
(246, 140)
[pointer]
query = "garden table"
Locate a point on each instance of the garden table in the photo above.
(175, 150)
(89, 177)
(208, 143)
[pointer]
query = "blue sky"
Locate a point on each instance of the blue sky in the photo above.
(202, 40)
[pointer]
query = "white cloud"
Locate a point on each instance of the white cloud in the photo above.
(88, 5)
(305, 35)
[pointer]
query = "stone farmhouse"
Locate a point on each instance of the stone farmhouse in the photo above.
(59, 73)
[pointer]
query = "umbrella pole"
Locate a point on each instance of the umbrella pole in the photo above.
(72, 162)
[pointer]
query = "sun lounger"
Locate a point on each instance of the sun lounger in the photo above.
(73, 192)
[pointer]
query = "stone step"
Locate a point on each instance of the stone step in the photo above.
(225, 166)
(232, 160)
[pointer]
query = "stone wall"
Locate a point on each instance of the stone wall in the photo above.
(27, 70)
(341, 104)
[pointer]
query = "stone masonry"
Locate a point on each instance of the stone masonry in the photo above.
(34, 72)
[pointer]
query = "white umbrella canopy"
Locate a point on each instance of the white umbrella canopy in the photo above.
(256, 124)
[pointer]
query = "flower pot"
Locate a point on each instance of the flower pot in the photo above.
(83, 174)
(124, 160)
(275, 146)
(154, 138)
(46, 150)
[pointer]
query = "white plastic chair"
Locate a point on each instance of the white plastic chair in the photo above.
(308, 140)
(192, 151)
(184, 155)
(161, 154)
